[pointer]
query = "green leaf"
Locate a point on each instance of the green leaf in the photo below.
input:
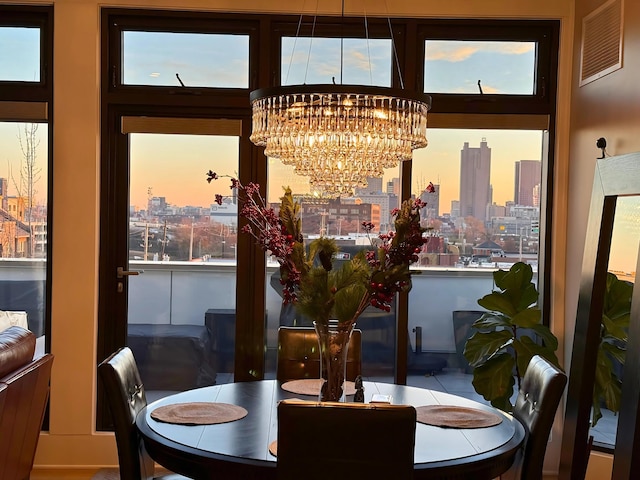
(608, 387)
(494, 381)
(498, 302)
(491, 321)
(618, 296)
(528, 297)
(616, 329)
(597, 413)
(527, 318)
(347, 301)
(615, 351)
(529, 348)
(519, 275)
(549, 339)
(483, 345)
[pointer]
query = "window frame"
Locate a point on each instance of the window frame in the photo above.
(25, 102)
(409, 36)
(545, 33)
(39, 17)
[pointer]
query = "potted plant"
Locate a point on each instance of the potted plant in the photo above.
(607, 389)
(334, 298)
(507, 336)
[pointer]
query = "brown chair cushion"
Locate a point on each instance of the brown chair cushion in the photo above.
(317, 441)
(298, 354)
(17, 346)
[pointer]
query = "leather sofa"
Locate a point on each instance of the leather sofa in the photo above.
(24, 384)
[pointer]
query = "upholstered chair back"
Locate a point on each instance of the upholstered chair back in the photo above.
(538, 399)
(126, 397)
(299, 355)
(324, 440)
(24, 391)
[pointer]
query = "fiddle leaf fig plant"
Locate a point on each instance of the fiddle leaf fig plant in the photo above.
(607, 389)
(507, 336)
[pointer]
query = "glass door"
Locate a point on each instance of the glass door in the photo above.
(174, 262)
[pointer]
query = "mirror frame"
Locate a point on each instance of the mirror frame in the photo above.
(614, 177)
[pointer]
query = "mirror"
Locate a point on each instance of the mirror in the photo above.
(611, 244)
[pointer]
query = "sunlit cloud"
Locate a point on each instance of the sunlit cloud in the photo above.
(459, 51)
(359, 60)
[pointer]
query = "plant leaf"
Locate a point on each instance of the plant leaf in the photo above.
(615, 351)
(498, 302)
(528, 348)
(483, 345)
(492, 321)
(527, 318)
(549, 339)
(494, 381)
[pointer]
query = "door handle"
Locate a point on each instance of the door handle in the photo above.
(121, 272)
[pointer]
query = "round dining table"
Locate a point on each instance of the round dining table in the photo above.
(240, 449)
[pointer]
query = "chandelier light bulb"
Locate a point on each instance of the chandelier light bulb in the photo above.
(338, 135)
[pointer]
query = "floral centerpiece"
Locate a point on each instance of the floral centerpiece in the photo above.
(333, 298)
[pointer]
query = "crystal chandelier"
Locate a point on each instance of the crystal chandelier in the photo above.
(338, 135)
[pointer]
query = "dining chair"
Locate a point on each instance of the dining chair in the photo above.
(299, 357)
(346, 441)
(538, 399)
(125, 395)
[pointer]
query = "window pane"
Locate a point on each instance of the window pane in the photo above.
(182, 309)
(20, 54)
(317, 60)
(501, 67)
(341, 219)
(484, 215)
(23, 226)
(200, 59)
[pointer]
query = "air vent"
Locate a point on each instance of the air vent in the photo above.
(601, 42)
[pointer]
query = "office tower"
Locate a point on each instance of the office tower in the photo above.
(475, 187)
(393, 186)
(374, 185)
(432, 199)
(455, 208)
(528, 174)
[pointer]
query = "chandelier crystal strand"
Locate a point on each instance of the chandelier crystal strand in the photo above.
(338, 135)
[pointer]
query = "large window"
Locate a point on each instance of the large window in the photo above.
(505, 120)
(25, 166)
(26, 93)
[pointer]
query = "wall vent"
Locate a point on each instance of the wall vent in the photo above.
(601, 42)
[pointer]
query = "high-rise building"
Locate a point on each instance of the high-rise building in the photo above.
(432, 199)
(374, 186)
(527, 181)
(475, 187)
(393, 186)
(455, 208)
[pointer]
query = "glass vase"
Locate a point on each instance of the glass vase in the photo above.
(333, 342)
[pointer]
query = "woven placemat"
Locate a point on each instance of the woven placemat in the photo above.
(273, 448)
(311, 386)
(456, 417)
(198, 413)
